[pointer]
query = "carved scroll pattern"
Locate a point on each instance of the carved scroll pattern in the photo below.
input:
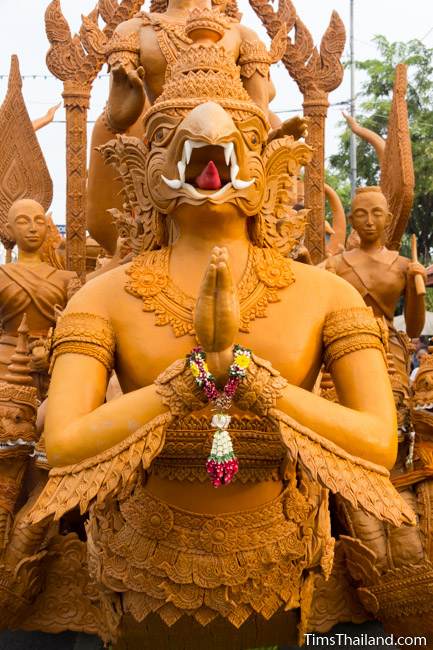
(334, 599)
(76, 60)
(67, 583)
(23, 171)
(317, 73)
(139, 222)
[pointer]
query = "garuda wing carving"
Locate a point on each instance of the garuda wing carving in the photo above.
(278, 224)
(140, 223)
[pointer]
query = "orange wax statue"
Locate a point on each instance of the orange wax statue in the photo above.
(138, 56)
(143, 47)
(380, 275)
(161, 538)
(18, 406)
(32, 286)
(388, 585)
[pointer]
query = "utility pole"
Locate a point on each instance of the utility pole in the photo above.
(353, 169)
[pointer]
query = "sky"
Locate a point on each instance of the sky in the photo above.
(22, 32)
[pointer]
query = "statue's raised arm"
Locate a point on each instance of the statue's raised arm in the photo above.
(142, 48)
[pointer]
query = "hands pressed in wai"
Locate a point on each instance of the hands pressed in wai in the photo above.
(217, 313)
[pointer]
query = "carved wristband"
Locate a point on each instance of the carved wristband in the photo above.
(261, 388)
(178, 389)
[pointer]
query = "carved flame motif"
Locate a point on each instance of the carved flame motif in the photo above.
(107, 9)
(278, 225)
(272, 21)
(79, 58)
(23, 171)
(312, 70)
(397, 174)
(139, 223)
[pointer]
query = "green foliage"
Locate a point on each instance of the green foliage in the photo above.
(429, 299)
(374, 104)
(342, 185)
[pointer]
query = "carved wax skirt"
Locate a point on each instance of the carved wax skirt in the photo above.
(166, 560)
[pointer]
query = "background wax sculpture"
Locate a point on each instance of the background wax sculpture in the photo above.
(381, 276)
(140, 318)
(31, 286)
(138, 56)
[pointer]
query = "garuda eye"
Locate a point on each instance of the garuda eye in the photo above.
(252, 138)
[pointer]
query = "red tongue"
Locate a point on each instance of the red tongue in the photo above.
(209, 179)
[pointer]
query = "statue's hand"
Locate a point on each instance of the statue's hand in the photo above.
(351, 122)
(50, 114)
(127, 97)
(39, 358)
(296, 126)
(415, 268)
(217, 315)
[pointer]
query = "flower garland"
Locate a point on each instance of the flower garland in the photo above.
(222, 464)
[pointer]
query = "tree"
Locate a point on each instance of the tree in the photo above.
(374, 106)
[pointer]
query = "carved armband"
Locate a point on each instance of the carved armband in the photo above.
(124, 50)
(83, 333)
(178, 389)
(261, 388)
(349, 330)
(254, 57)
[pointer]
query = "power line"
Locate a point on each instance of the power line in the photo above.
(427, 34)
(46, 76)
(277, 111)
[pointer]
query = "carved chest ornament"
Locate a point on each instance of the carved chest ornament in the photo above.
(266, 273)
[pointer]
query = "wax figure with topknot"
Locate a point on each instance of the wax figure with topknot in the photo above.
(31, 286)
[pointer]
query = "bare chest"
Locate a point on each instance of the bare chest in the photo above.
(287, 332)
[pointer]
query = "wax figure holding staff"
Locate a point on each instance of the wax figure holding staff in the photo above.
(381, 275)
